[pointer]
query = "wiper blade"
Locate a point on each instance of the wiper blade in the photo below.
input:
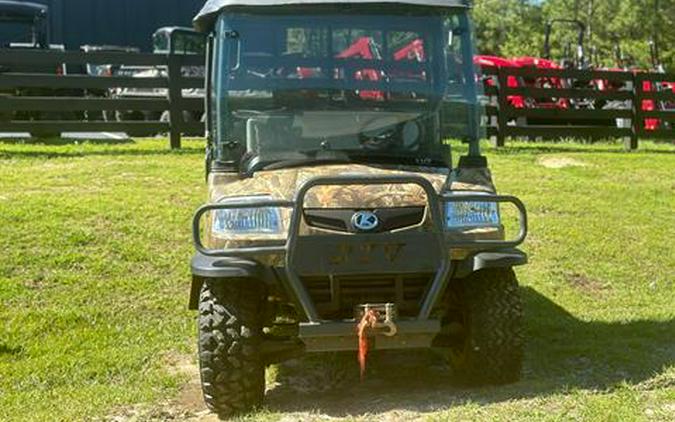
(303, 162)
(402, 160)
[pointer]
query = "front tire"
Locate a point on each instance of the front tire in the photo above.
(490, 342)
(230, 333)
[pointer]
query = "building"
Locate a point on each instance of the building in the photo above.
(115, 22)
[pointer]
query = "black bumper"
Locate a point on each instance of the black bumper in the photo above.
(209, 267)
(505, 258)
(214, 267)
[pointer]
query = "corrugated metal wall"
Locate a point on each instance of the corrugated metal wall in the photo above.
(115, 22)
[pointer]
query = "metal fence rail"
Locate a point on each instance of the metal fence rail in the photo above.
(62, 93)
(557, 103)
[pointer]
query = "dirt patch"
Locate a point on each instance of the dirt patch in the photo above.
(584, 283)
(314, 374)
(189, 402)
(557, 162)
(178, 364)
(188, 405)
(399, 386)
(40, 282)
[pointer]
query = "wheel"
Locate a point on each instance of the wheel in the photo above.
(484, 325)
(230, 333)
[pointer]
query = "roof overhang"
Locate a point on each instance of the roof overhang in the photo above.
(205, 18)
(22, 10)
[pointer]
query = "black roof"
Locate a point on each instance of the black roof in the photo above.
(15, 9)
(205, 18)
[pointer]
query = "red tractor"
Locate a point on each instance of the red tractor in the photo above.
(485, 62)
(650, 124)
(494, 62)
(543, 82)
(367, 49)
(665, 86)
(574, 57)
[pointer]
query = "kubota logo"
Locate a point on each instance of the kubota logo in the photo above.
(365, 221)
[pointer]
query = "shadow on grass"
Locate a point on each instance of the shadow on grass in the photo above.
(563, 353)
(8, 350)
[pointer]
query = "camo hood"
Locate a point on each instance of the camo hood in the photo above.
(284, 184)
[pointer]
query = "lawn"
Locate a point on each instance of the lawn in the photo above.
(94, 277)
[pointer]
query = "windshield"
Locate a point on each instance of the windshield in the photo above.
(20, 31)
(184, 42)
(357, 87)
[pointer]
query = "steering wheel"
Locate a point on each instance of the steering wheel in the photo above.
(411, 134)
(407, 136)
(379, 139)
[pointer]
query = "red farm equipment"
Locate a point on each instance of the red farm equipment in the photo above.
(366, 48)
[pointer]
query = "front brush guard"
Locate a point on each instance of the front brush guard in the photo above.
(433, 243)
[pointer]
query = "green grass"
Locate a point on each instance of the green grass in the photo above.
(94, 251)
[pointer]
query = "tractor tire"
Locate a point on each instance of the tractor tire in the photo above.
(490, 350)
(230, 333)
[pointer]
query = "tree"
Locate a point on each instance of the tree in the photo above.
(508, 27)
(516, 27)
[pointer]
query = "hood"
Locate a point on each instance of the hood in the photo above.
(284, 184)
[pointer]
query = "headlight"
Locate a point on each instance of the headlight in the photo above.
(260, 220)
(470, 214)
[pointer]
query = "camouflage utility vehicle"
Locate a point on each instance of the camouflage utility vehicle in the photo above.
(332, 195)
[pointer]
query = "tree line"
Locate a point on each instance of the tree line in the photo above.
(618, 33)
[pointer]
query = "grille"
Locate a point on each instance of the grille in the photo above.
(336, 296)
(341, 219)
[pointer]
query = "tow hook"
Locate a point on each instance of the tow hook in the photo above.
(378, 319)
(384, 321)
(390, 313)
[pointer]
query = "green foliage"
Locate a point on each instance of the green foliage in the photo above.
(516, 27)
(508, 27)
